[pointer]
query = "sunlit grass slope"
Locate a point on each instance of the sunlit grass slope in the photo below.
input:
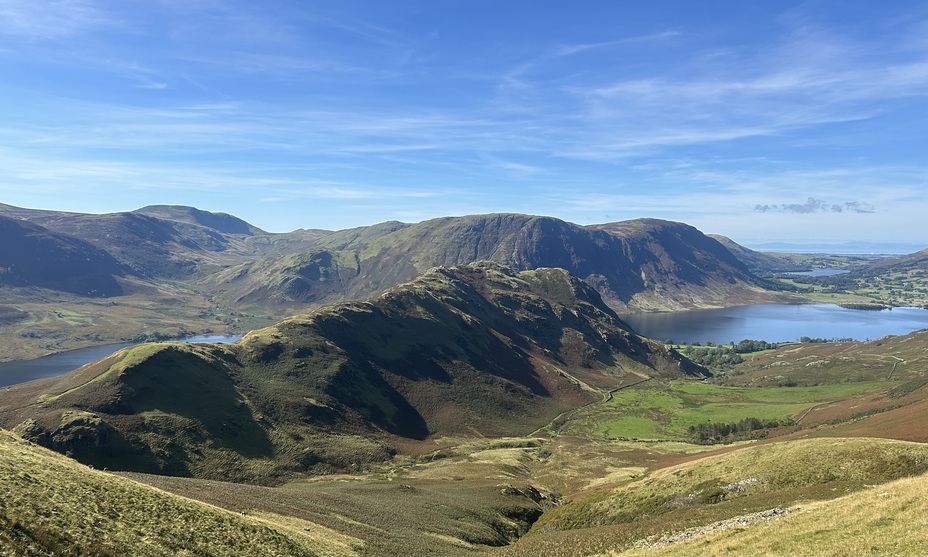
(888, 519)
(51, 506)
(721, 487)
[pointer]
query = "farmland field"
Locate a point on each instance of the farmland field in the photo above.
(666, 411)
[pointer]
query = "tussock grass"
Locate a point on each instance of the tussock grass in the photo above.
(888, 519)
(52, 506)
(772, 474)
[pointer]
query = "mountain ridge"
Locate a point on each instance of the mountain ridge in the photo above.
(184, 270)
(626, 263)
(473, 349)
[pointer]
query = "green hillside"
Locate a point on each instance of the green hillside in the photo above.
(880, 520)
(580, 486)
(52, 506)
(474, 350)
(739, 488)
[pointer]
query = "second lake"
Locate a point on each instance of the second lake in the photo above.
(776, 323)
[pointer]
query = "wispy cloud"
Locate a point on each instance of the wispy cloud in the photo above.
(806, 82)
(51, 19)
(510, 166)
(571, 49)
(298, 191)
(379, 107)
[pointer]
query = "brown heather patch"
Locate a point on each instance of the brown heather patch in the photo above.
(389, 515)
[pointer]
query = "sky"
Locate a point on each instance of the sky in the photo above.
(761, 120)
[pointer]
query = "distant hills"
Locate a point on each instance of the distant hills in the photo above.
(172, 270)
(756, 261)
(842, 248)
(913, 262)
(642, 264)
(472, 350)
(637, 265)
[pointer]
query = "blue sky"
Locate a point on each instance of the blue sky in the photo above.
(763, 120)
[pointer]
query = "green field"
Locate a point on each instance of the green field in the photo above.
(661, 411)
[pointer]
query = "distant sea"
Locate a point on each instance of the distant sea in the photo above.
(844, 248)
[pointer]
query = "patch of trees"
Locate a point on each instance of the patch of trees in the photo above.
(834, 283)
(818, 340)
(713, 433)
(725, 356)
(746, 346)
(713, 357)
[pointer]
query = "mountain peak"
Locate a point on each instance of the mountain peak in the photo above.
(221, 222)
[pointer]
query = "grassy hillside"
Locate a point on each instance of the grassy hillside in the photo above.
(667, 411)
(86, 279)
(580, 486)
(739, 485)
(53, 506)
(475, 350)
(877, 520)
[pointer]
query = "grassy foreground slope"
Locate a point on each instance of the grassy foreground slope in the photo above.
(887, 519)
(756, 484)
(879, 520)
(51, 506)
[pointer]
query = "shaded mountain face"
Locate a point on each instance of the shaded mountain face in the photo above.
(679, 267)
(31, 255)
(478, 349)
(169, 243)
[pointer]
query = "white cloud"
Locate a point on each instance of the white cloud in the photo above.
(51, 19)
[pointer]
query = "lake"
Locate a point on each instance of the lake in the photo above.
(776, 323)
(56, 364)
